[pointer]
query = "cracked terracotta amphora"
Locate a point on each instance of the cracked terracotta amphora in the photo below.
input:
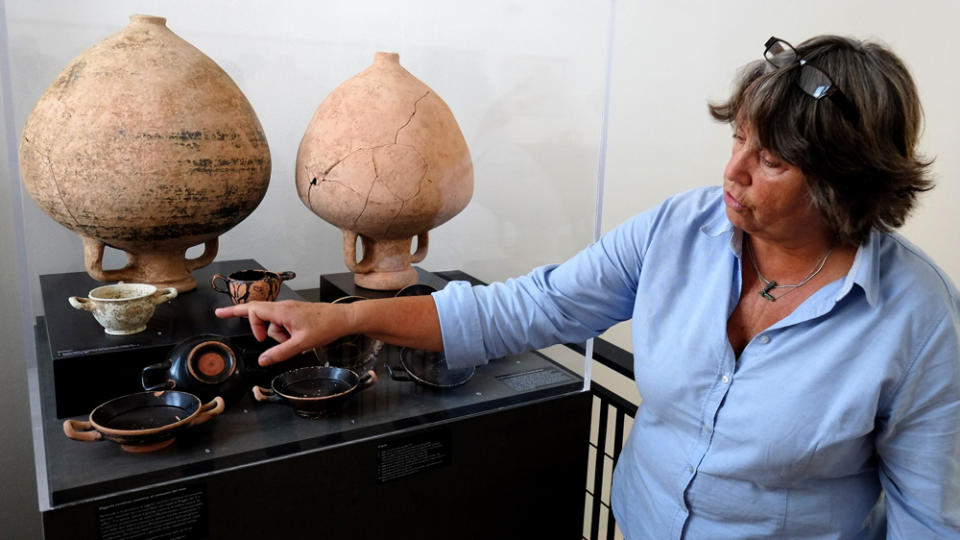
(384, 160)
(144, 144)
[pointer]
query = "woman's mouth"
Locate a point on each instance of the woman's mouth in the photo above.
(731, 201)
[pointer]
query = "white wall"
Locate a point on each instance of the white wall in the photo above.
(671, 57)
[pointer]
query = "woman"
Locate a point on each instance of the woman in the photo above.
(797, 359)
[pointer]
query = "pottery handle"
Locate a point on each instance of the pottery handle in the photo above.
(80, 303)
(210, 248)
(285, 276)
(213, 283)
(80, 430)
(265, 394)
(398, 373)
(207, 411)
(163, 295)
(93, 260)
(368, 379)
(147, 375)
(350, 254)
(423, 239)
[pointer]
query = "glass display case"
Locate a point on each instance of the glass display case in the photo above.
(501, 446)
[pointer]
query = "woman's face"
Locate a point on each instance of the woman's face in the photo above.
(765, 196)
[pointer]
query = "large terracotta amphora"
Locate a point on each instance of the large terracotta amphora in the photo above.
(144, 144)
(384, 160)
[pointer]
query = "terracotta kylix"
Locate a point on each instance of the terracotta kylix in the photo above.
(384, 160)
(144, 144)
(124, 308)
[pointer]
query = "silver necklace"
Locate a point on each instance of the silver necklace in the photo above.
(769, 285)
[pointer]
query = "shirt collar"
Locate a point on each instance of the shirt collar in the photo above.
(864, 272)
(719, 225)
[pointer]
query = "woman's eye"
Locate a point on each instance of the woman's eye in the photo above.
(768, 161)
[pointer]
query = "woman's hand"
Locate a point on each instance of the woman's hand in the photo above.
(296, 326)
(300, 326)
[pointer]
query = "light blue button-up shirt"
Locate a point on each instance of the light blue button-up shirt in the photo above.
(854, 394)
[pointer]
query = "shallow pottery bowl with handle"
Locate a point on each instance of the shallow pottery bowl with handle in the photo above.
(206, 365)
(251, 285)
(144, 421)
(428, 368)
(356, 352)
(123, 308)
(314, 390)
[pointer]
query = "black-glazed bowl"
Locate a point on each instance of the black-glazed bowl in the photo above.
(429, 368)
(314, 390)
(356, 352)
(206, 365)
(144, 421)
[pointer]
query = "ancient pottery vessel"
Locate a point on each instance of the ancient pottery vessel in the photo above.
(429, 368)
(145, 421)
(356, 352)
(251, 285)
(384, 160)
(123, 308)
(313, 391)
(206, 365)
(144, 144)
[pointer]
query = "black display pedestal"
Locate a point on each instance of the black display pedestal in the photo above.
(333, 286)
(503, 456)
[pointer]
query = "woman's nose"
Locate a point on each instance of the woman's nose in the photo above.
(737, 168)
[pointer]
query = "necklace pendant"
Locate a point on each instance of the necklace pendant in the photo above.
(765, 292)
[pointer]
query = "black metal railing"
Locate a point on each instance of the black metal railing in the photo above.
(606, 441)
(607, 433)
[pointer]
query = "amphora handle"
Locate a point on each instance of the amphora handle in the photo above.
(210, 248)
(93, 260)
(367, 263)
(423, 239)
(350, 254)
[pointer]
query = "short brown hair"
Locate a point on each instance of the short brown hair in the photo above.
(863, 174)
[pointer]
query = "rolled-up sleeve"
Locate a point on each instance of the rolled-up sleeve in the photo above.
(565, 303)
(460, 325)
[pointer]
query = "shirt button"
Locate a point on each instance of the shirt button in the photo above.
(725, 379)
(690, 468)
(764, 339)
(707, 427)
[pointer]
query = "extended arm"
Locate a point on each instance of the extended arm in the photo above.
(299, 326)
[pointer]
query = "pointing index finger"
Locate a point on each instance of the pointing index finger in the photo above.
(238, 310)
